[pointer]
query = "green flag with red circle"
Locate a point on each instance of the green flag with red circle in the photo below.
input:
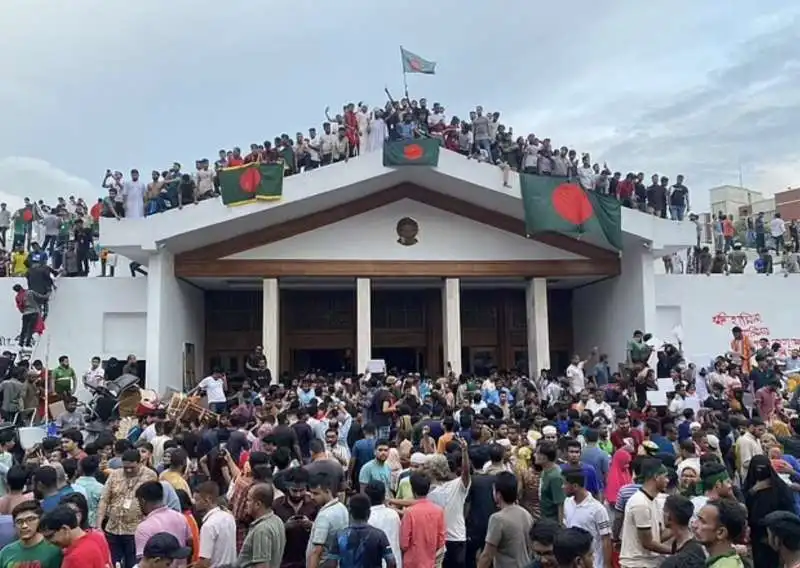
(560, 205)
(417, 152)
(249, 183)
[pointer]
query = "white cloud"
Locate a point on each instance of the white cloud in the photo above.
(31, 177)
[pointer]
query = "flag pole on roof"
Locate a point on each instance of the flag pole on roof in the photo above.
(413, 63)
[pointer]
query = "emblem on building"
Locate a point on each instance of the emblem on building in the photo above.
(407, 230)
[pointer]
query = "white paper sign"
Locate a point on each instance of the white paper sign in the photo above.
(376, 366)
(657, 398)
(692, 402)
(677, 331)
(666, 385)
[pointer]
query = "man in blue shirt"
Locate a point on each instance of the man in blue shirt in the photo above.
(363, 450)
(595, 456)
(359, 545)
(45, 481)
(377, 469)
(593, 483)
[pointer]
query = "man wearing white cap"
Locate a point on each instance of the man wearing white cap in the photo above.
(404, 480)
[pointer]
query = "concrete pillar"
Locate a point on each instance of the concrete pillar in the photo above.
(363, 323)
(270, 326)
(451, 333)
(160, 281)
(538, 330)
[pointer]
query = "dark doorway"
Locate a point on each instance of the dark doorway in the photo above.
(408, 359)
(322, 360)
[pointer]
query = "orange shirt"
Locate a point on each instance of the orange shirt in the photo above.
(444, 439)
(195, 532)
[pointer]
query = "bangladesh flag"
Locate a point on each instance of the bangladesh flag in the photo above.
(562, 206)
(241, 185)
(413, 63)
(420, 152)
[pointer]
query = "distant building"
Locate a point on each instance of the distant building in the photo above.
(787, 203)
(739, 201)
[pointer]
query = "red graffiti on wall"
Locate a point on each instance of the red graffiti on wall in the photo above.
(753, 326)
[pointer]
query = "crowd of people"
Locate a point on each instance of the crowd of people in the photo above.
(61, 236)
(359, 130)
(574, 468)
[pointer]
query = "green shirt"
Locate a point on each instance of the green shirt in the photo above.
(264, 543)
(551, 492)
(42, 555)
(64, 228)
(639, 351)
(63, 379)
(730, 560)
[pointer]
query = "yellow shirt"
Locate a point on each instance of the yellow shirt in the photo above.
(176, 480)
(18, 260)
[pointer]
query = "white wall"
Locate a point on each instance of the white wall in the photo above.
(373, 236)
(605, 314)
(89, 317)
(707, 307)
(175, 316)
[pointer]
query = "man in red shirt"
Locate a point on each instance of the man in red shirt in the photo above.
(625, 190)
(82, 549)
(236, 158)
(422, 526)
(624, 435)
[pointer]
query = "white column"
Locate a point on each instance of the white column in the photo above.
(451, 336)
(363, 323)
(160, 281)
(270, 326)
(537, 319)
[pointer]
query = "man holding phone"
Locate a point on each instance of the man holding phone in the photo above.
(297, 510)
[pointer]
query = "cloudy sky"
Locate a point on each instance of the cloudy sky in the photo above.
(671, 87)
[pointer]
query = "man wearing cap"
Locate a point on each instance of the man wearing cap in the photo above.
(404, 491)
(716, 483)
(783, 534)
(161, 550)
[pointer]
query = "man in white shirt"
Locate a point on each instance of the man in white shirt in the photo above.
(598, 404)
(777, 227)
(586, 175)
(575, 373)
(96, 376)
(215, 385)
(582, 510)
(383, 518)
(641, 526)
(217, 546)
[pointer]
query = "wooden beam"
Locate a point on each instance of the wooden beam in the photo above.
(385, 269)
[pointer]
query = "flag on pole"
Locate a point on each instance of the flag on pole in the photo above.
(413, 63)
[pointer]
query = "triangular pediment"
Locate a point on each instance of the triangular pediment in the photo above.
(367, 229)
(406, 230)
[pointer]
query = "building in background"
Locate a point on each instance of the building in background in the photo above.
(787, 203)
(739, 201)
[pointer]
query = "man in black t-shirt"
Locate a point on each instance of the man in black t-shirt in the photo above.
(256, 367)
(382, 409)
